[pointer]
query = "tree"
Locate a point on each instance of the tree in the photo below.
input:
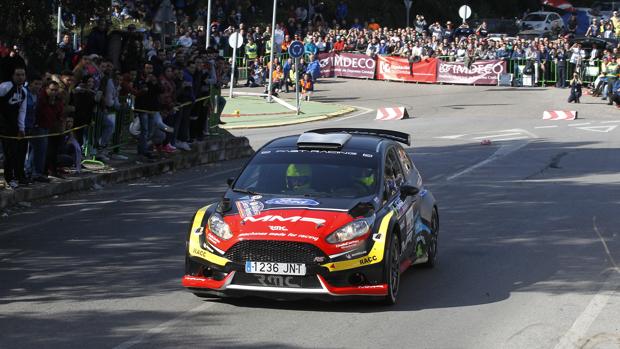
(84, 11)
(27, 23)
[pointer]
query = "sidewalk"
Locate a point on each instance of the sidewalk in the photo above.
(216, 148)
(254, 112)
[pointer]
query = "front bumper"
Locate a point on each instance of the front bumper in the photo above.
(222, 286)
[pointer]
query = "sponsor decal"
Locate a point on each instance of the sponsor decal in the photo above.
(278, 228)
(213, 239)
(280, 235)
(319, 259)
(292, 219)
(367, 260)
(199, 252)
(331, 152)
(277, 281)
(292, 202)
(198, 230)
(249, 208)
(348, 245)
(254, 197)
(479, 73)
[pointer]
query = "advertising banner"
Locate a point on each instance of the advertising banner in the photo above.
(480, 73)
(399, 68)
(349, 65)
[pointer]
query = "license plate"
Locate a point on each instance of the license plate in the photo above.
(275, 268)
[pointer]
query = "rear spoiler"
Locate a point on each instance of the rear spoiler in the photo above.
(401, 137)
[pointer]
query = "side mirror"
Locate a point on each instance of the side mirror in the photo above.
(230, 181)
(409, 190)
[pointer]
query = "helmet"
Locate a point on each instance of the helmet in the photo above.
(366, 177)
(297, 176)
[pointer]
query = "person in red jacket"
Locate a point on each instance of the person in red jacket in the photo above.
(50, 114)
(339, 44)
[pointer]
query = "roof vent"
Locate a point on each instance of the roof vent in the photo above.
(330, 141)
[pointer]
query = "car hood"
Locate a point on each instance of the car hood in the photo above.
(281, 218)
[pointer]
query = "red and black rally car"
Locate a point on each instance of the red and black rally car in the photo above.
(330, 212)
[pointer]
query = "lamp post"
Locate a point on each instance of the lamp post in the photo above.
(273, 38)
(58, 22)
(208, 24)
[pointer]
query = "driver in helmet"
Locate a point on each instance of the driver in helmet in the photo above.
(298, 177)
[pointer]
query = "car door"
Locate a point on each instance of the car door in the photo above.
(395, 177)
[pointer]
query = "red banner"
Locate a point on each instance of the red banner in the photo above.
(398, 68)
(480, 73)
(349, 65)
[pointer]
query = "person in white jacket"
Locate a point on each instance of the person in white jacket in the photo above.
(12, 124)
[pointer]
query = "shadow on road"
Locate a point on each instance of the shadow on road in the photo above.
(519, 226)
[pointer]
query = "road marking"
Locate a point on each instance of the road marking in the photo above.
(574, 336)
(162, 327)
(69, 214)
(510, 139)
(554, 126)
(610, 122)
(603, 129)
(451, 137)
(580, 124)
(364, 112)
(502, 135)
(503, 151)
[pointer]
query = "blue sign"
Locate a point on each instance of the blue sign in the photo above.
(292, 202)
(296, 49)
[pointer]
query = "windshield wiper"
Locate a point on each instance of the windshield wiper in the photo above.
(245, 191)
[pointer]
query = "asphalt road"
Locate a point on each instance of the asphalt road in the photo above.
(529, 241)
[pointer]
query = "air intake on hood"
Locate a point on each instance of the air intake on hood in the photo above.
(334, 141)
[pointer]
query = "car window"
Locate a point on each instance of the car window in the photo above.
(393, 173)
(311, 173)
(535, 17)
(405, 161)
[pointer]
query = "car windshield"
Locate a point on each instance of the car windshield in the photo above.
(535, 18)
(306, 173)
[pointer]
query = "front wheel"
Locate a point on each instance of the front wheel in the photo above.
(392, 270)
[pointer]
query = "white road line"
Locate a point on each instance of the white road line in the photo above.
(510, 139)
(502, 135)
(503, 151)
(71, 213)
(554, 126)
(574, 336)
(610, 122)
(364, 112)
(451, 137)
(162, 327)
(581, 124)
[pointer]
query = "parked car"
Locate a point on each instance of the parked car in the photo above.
(588, 43)
(542, 22)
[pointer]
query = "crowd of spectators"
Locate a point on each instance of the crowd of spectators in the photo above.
(175, 87)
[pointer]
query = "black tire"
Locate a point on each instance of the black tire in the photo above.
(391, 265)
(433, 247)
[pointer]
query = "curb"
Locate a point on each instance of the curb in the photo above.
(202, 153)
(344, 111)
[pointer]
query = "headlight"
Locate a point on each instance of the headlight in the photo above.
(218, 227)
(351, 231)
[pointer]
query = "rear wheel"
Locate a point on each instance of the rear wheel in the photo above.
(392, 270)
(432, 249)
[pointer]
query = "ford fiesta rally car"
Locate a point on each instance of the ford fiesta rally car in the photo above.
(331, 212)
